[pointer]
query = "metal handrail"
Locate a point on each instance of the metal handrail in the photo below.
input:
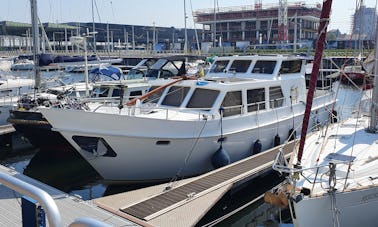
(36, 193)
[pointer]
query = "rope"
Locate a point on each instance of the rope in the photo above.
(176, 177)
(335, 210)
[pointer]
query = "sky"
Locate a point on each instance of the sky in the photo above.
(161, 13)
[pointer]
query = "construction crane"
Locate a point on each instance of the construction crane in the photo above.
(282, 21)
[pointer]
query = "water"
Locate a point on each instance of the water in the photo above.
(70, 173)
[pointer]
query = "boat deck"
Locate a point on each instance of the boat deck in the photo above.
(184, 203)
(70, 207)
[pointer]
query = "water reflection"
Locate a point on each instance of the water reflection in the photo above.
(65, 171)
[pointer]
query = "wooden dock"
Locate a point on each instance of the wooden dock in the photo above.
(187, 201)
(70, 207)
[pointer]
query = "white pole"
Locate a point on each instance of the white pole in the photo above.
(186, 31)
(86, 67)
(93, 29)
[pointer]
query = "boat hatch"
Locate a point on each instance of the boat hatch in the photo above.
(95, 145)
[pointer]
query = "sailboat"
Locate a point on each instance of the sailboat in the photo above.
(334, 181)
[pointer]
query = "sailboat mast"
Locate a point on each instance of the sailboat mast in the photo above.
(186, 30)
(93, 29)
(374, 98)
(36, 46)
(322, 30)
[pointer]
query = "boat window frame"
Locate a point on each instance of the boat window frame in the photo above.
(291, 66)
(232, 110)
(172, 94)
(208, 97)
(256, 102)
(154, 98)
(240, 68)
(276, 100)
(219, 68)
(264, 68)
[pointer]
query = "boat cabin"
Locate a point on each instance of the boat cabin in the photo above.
(256, 84)
(113, 90)
(257, 67)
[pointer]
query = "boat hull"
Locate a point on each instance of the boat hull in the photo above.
(353, 208)
(38, 131)
(170, 148)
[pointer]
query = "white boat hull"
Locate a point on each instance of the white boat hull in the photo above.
(353, 208)
(160, 152)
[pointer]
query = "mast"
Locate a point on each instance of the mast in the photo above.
(93, 29)
(36, 46)
(186, 31)
(322, 30)
(374, 108)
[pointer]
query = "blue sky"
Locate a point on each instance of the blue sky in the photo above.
(165, 13)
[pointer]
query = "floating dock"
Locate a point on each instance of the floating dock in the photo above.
(70, 208)
(184, 203)
(179, 203)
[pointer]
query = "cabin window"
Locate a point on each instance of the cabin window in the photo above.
(256, 99)
(154, 98)
(101, 92)
(291, 66)
(240, 66)
(203, 98)
(116, 92)
(232, 103)
(218, 66)
(171, 69)
(135, 74)
(135, 93)
(175, 96)
(264, 67)
(276, 97)
(95, 145)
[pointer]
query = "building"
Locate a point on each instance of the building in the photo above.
(15, 35)
(258, 24)
(364, 22)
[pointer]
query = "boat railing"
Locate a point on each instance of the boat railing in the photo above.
(317, 172)
(46, 201)
(256, 106)
(203, 113)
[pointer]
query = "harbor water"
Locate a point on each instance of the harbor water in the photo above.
(70, 173)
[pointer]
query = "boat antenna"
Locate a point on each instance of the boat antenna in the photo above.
(322, 31)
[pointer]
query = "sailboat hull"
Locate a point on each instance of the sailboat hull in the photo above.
(353, 208)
